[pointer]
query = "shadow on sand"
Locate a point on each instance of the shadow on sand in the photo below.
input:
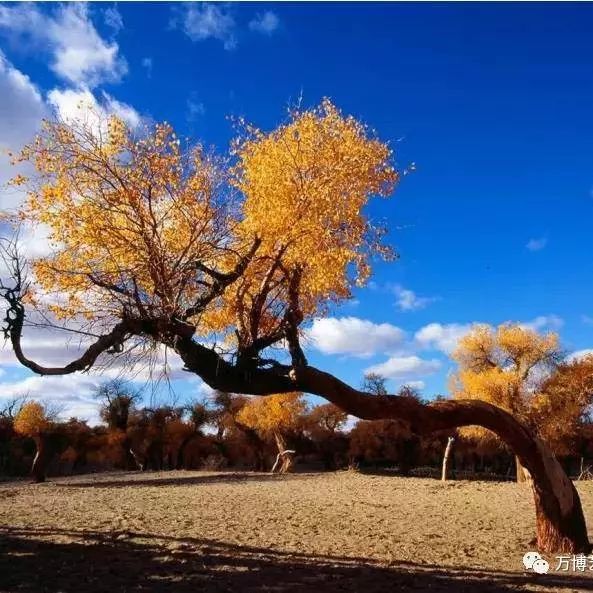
(52, 561)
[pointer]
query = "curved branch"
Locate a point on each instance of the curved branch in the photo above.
(109, 342)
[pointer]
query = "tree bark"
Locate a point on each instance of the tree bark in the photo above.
(42, 458)
(445, 472)
(522, 472)
(285, 457)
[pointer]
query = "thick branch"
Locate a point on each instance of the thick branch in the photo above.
(220, 280)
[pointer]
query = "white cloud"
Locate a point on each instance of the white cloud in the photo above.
(113, 19)
(55, 347)
(579, 354)
(149, 369)
(81, 104)
(354, 336)
(79, 55)
(544, 323)
(405, 367)
(416, 385)
(206, 21)
(265, 23)
(195, 109)
(72, 395)
(147, 65)
(408, 300)
(536, 244)
(443, 337)
(21, 110)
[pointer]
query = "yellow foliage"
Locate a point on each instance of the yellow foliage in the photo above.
(559, 408)
(274, 413)
(121, 212)
(129, 218)
(31, 419)
(503, 366)
(305, 185)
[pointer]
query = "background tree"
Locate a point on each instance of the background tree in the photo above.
(199, 416)
(156, 244)
(277, 416)
(504, 366)
(561, 407)
(388, 441)
(242, 443)
(78, 437)
(7, 432)
(324, 424)
(33, 420)
(374, 383)
(117, 402)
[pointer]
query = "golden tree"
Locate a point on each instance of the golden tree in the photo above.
(278, 416)
(561, 407)
(33, 421)
(503, 366)
(162, 243)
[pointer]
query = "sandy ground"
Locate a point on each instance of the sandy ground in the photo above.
(207, 532)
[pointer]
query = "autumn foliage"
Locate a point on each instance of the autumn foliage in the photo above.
(149, 224)
(274, 414)
(31, 420)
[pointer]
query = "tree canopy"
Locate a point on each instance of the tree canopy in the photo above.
(32, 419)
(243, 246)
(524, 372)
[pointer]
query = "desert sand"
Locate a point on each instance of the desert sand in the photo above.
(206, 532)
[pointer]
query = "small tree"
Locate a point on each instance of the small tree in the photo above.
(199, 416)
(560, 412)
(117, 402)
(381, 441)
(277, 416)
(33, 421)
(324, 424)
(239, 440)
(374, 383)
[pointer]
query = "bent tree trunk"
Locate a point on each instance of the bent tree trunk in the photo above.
(560, 524)
(445, 472)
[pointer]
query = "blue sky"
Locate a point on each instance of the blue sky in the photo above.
(492, 102)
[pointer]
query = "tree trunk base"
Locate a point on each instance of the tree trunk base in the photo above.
(560, 523)
(284, 462)
(445, 468)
